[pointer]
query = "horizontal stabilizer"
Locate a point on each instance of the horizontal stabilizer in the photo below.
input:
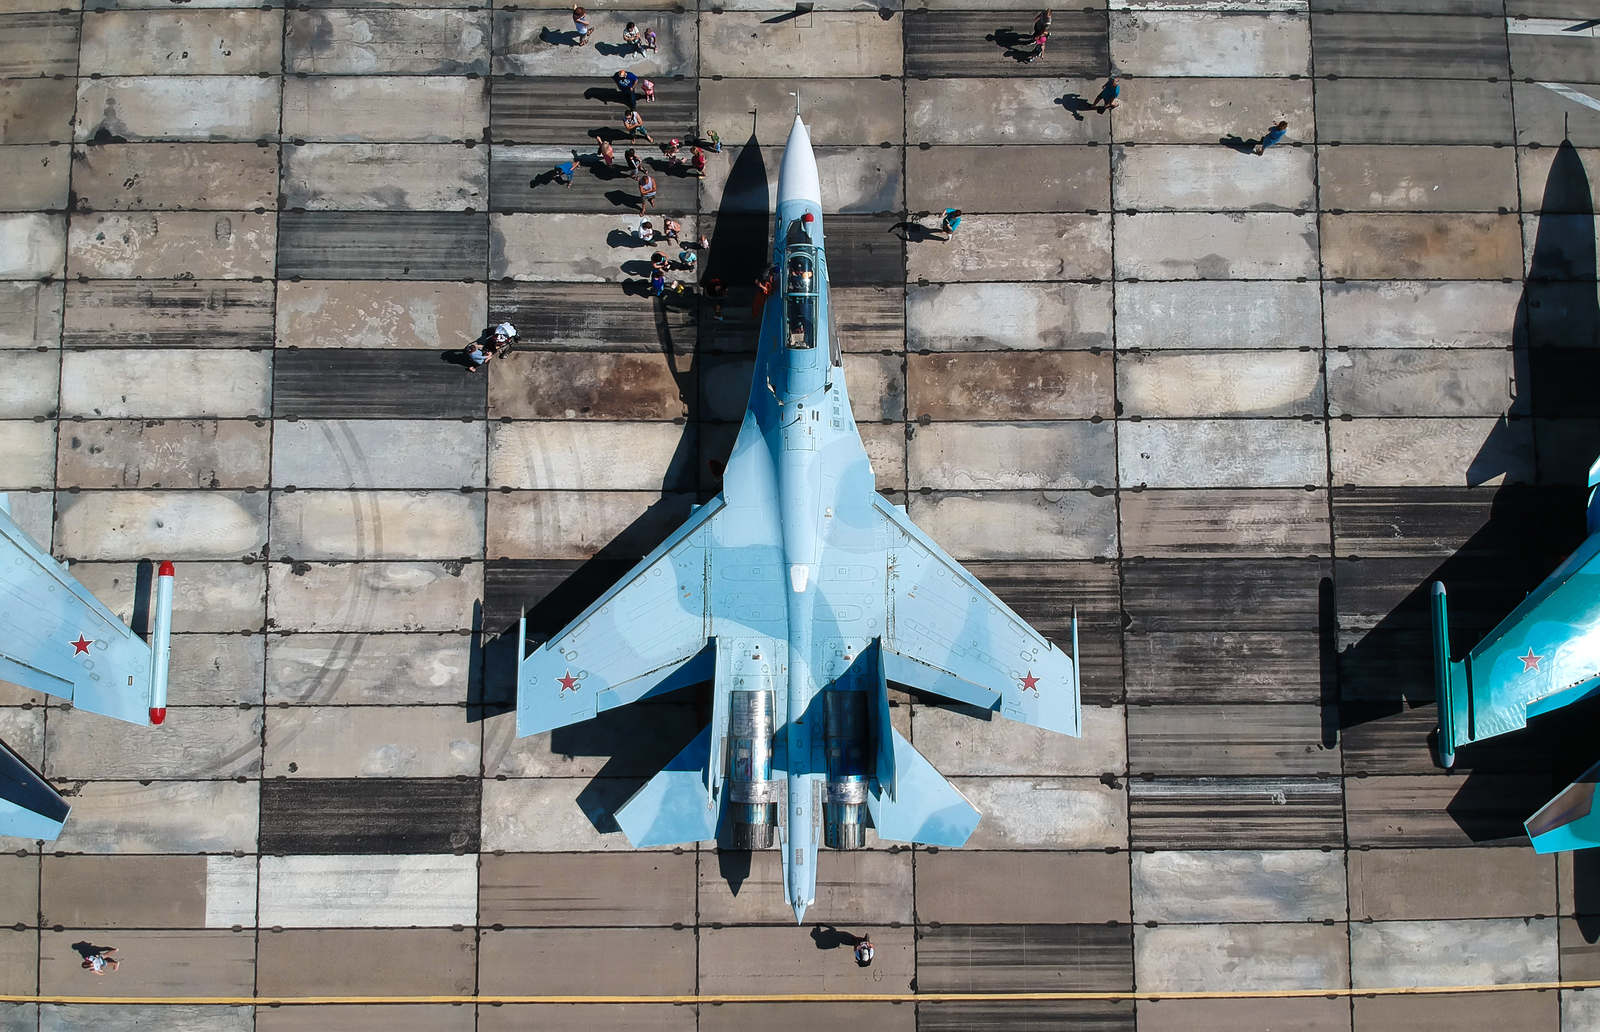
(925, 808)
(1568, 821)
(674, 807)
(29, 807)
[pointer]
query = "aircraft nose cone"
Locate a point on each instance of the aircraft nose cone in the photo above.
(797, 176)
(799, 913)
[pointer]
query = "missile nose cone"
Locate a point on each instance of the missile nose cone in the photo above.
(165, 570)
(797, 176)
(158, 715)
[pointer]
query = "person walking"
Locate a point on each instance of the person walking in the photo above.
(1041, 24)
(580, 22)
(647, 90)
(671, 151)
(950, 223)
(650, 40)
(710, 136)
(635, 163)
(647, 192)
(1272, 136)
(1106, 99)
(658, 282)
(634, 123)
(1039, 42)
(98, 959)
(625, 81)
(865, 951)
(606, 153)
(699, 163)
(564, 172)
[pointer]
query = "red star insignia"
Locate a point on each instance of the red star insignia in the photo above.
(81, 646)
(1530, 661)
(568, 682)
(1030, 683)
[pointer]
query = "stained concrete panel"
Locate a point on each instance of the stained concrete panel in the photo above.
(1359, 44)
(1533, 173)
(1221, 522)
(1418, 178)
(570, 248)
(584, 456)
(1051, 524)
(38, 43)
(1431, 452)
(991, 111)
(334, 314)
(1239, 453)
(1212, 178)
(1421, 383)
(323, 525)
(130, 891)
(1414, 111)
(163, 817)
(1200, 739)
(385, 177)
(827, 44)
(1039, 247)
(1020, 179)
(1213, 247)
(1549, 118)
(416, 245)
(1306, 1015)
(197, 744)
(1012, 456)
(370, 816)
(27, 454)
(228, 454)
(1504, 1011)
(629, 742)
(578, 524)
(36, 110)
(1046, 813)
(1221, 383)
(556, 385)
(839, 112)
(1008, 316)
(32, 246)
(547, 815)
(971, 887)
(373, 596)
(1433, 884)
(1238, 886)
(1419, 315)
(1196, 43)
(854, 888)
(1207, 111)
(338, 962)
(28, 384)
(385, 109)
(170, 963)
(530, 43)
(854, 179)
(964, 741)
(886, 450)
(148, 384)
(208, 597)
(37, 176)
(1009, 386)
(586, 890)
(368, 891)
(372, 1017)
(1210, 957)
(1428, 810)
(154, 176)
(1477, 952)
(23, 729)
(167, 313)
(180, 525)
(394, 42)
(1579, 1009)
(1415, 246)
(370, 669)
(795, 964)
(586, 961)
(619, 1017)
(377, 453)
(370, 742)
(214, 42)
(1159, 316)
(181, 245)
(207, 109)
(19, 950)
(19, 889)
(216, 670)
(30, 315)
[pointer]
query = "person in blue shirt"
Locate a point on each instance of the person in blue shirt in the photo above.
(1272, 136)
(950, 223)
(1106, 99)
(625, 81)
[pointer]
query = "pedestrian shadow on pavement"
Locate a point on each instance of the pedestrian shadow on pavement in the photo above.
(1075, 105)
(827, 937)
(606, 95)
(88, 949)
(912, 231)
(557, 38)
(1233, 141)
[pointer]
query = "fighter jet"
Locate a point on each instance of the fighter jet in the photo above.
(1543, 656)
(802, 593)
(57, 638)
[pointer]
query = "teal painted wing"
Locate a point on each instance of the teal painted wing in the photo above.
(29, 807)
(1544, 656)
(946, 633)
(57, 638)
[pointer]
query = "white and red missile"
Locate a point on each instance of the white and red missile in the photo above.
(161, 643)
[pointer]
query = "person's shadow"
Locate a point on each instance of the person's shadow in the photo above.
(1233, 141)
(557, 38)
(1075, 105)
(88, 949)
(827, 937)
(912, 231)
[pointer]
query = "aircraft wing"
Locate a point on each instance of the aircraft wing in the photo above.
(948, 634)
(1543, 656)
(29, 807)
(57, 638)
(647, 634)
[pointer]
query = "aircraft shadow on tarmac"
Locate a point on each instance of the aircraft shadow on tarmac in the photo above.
(1531, 527)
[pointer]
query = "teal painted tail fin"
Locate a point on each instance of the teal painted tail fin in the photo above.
(925, 807)
(1452, 684)
(1568, 821)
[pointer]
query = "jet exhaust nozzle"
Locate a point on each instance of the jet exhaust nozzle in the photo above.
(752, 794)
(845, 806)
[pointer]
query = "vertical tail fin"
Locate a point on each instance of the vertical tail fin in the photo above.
(1452, 685)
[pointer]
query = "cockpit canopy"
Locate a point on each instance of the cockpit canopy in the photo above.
(800, 296)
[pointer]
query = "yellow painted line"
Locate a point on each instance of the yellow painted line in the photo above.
(720, 998)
